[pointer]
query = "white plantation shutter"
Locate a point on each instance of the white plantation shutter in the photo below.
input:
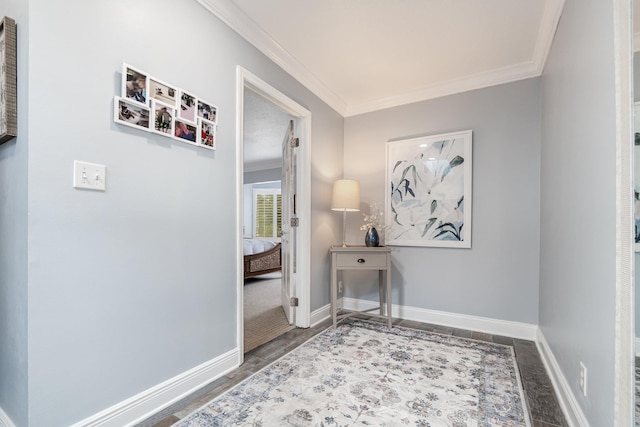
(267, 213)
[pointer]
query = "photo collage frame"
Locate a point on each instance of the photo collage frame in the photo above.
(153, 105)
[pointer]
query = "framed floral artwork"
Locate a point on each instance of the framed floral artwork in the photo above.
(428, 195)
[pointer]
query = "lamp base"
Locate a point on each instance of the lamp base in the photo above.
(344, 228)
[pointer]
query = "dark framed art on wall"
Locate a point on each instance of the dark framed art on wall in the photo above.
(8, 80)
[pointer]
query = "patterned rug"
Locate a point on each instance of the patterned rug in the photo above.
(363, 373)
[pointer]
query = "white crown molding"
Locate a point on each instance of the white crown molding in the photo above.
(568, 402)
(5, 421)
(229, 13)
(234, 17)
(547, 31)
(145, 404)
(477, 81)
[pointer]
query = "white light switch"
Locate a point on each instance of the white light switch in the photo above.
(89, 176)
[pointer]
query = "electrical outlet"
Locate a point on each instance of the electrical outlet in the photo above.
(89, 176)
(583, 379)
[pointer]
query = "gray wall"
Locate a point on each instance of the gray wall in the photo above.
(122, 282)
(13, 241)
(578, 224)
(263, 175)
(498, 277)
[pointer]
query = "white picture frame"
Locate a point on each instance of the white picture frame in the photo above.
(187, 107)
(163, 92)
(134, 85)
(207, 111)
(130, 113)
(207, 134)
(185, 131)
(163, 119)
(428, 191)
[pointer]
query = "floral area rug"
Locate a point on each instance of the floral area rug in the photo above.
(363, 373)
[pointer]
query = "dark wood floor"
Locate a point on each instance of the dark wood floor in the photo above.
(541, 400)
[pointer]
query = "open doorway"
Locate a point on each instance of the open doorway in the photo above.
(266, 304)
(261, 110)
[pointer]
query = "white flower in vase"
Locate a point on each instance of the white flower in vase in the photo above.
(373, 224)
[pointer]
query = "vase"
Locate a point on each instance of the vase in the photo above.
(372, 239)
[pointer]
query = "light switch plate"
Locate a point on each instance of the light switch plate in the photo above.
(89, 176)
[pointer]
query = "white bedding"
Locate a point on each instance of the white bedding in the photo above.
(255, 246)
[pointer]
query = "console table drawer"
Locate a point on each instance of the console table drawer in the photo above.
(361, 260)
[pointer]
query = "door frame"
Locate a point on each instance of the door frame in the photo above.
(303, 196)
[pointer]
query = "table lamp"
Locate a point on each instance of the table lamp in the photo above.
(346, 198)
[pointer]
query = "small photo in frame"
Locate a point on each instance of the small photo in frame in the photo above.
(163, 118)
(163, 92)
(134, 84)
(207, 134)
(187, 107)
(185, 131)
(130, 113)
(207, 111)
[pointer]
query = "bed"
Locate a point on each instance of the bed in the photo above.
(261, 257)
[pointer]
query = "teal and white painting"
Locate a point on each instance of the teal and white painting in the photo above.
(428, 197)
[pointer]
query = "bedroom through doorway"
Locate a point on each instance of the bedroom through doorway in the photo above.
(265, 232)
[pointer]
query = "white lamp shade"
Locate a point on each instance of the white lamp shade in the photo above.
(346, 195)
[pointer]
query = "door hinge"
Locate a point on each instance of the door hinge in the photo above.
(295, 222)
(295, 142)
(293, 301)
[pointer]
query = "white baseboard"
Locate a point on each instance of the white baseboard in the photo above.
(320, 315)
(5, 421)
(507, 328)
(568, 403)
(153, 400)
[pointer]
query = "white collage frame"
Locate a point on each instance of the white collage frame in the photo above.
(152, 105)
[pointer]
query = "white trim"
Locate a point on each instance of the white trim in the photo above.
(303, 185)
(145, 404)
(525, 331)
(240, 213)
(624, 374)
(570, 407)
(477, 81)
(229, 13)
(5, 421)
(548, 25)
(320, 315)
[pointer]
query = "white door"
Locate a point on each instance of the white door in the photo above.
(288, 222)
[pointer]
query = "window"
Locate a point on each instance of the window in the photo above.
(267, 213)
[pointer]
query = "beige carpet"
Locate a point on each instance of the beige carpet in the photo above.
(264, 317)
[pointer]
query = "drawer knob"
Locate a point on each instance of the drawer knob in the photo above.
(361, 261)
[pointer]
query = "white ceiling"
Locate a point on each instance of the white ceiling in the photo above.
(365, 55)
(264, 129)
